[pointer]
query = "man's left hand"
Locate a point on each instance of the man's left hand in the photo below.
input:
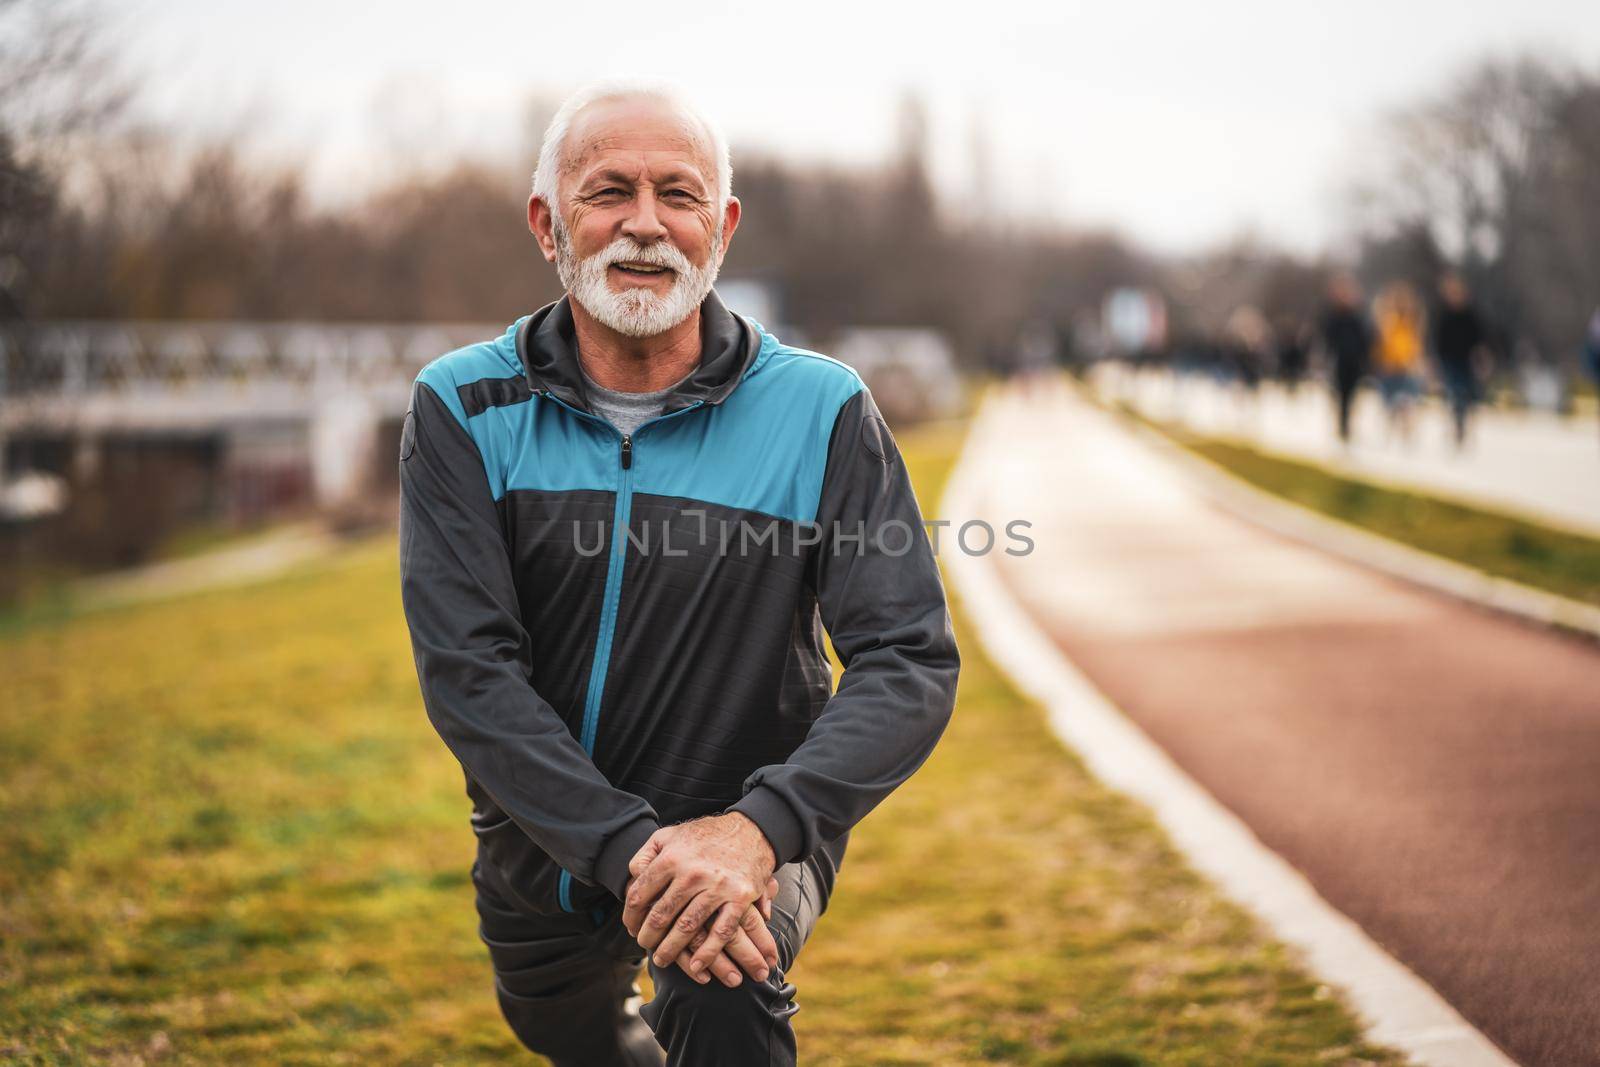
(712, 868)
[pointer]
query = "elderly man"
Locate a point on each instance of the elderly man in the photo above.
(624, 525)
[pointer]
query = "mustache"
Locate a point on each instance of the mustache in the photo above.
(627, 250)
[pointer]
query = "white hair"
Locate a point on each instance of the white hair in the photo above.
(547, 174)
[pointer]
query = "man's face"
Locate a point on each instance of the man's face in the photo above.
(638, 239)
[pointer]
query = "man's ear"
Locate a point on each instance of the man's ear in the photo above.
(541, 223)
(730, 222)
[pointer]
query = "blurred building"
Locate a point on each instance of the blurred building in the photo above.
(911, 371)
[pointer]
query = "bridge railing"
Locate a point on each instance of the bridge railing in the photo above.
(66, 358)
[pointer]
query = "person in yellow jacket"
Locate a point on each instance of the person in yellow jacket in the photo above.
(1398, 351)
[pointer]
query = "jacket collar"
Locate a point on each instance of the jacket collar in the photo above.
(547, 345)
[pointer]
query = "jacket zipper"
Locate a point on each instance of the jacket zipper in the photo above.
(612, 595)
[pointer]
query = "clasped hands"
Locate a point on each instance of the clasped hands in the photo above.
(700, 894)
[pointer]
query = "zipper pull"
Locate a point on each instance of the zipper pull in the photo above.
(627, 451)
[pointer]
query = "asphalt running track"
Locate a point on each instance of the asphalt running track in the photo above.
(1433, 769)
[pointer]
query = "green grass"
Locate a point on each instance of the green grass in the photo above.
(230, 835)
(1564, 563)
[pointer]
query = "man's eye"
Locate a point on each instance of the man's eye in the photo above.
(681, 194)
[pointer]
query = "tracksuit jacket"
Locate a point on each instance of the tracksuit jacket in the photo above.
(616, 632)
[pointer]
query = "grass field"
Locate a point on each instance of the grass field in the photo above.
(230, 835)
(1559, 562)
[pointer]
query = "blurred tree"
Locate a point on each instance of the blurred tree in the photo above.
(1497, 176)
(457, 248)
(57, 82)
(1557, 264)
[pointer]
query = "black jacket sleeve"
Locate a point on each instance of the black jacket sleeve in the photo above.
(883, 604)
(474, 659)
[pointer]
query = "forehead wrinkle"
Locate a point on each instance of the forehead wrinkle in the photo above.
(654, 143)
(642, 172)
(682, 152)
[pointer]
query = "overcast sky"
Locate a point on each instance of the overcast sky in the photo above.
(1181, 124)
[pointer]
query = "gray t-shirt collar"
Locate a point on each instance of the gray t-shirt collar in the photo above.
(627, 411)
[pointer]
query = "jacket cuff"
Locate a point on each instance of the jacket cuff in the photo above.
(777, 820)
(611, 868)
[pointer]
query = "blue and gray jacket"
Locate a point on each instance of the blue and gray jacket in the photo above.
(618, 632)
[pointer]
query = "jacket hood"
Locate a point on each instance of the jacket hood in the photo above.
(547, 346)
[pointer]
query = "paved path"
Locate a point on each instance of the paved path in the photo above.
(1434, 770)
(249, 560)
(1535, 464)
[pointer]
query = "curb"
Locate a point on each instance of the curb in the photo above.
(1336, 537)
(1397, 1007)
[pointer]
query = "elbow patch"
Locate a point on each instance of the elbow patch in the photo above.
(408, 435)
(877, 438)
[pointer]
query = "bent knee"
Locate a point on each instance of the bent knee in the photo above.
(712, 1025)
(681, 1001)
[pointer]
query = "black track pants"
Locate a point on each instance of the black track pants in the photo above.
(568, 988)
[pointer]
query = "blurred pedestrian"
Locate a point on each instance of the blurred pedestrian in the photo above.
(1248, 338)
(1591, 351)
(1291, 351)
(1398, 314)
(1246, 346)
(1458, 335)
(1348, 339)
(1035, 359)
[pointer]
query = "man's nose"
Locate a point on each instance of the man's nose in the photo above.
(643, 223)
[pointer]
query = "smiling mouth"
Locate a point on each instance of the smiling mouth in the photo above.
(640, 270)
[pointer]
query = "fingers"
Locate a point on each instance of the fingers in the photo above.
(765, 903)
(671, 931)
(746, 954)
(723, 927)
(647, 852)
(641, 897)
(653, 921)
(725, 970)
(741, 956)
(754, 927)
(723, 966)
(641, 860)
(685, 959)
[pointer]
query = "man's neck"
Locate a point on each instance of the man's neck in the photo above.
(635, 364)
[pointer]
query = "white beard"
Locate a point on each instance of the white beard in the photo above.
(635, 312)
